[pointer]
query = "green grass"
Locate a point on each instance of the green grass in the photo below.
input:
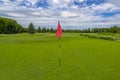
(35, 57)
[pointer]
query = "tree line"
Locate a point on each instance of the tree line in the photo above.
(32, 30)
(113, 29)
(10, 26)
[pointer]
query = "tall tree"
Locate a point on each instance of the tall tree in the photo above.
(31, 29)
(44, 30)
(39, 30)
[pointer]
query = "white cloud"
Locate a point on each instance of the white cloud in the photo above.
(55, 1)
(28, 2)
(116, 2)
(16, 15)
(60, 3)
(74, 7)
(68, 14)
(81, 0)
(105, 7)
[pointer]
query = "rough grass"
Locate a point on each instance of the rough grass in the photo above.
(35, 57)
(105, 36)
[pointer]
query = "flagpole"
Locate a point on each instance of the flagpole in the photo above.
(58, 35)
(59, 54)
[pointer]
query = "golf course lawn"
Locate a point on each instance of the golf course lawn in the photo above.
(35, 57)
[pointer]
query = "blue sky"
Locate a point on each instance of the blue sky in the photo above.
(72, 13)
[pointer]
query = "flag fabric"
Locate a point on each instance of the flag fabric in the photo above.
(59, 30)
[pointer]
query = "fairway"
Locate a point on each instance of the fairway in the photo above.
(35, 57)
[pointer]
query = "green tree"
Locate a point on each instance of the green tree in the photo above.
(114, 29)
(51, 30)
(44, 30)
(47, 30)
(31, 29)
(9, 26)
(39, 30)
(19, 29)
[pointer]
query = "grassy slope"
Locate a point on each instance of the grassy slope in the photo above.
(35, 57)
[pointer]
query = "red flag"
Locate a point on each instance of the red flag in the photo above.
(59, 31)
